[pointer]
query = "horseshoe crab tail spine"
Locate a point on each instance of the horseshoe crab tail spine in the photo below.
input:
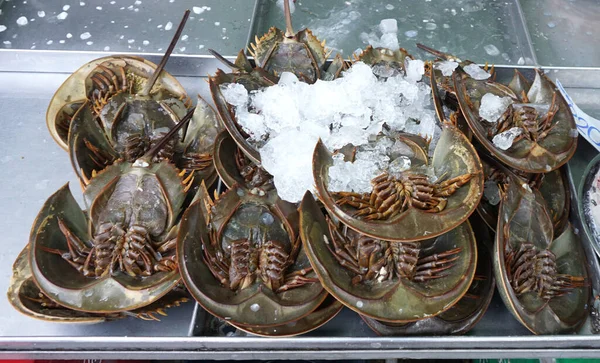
(160, 144)
(223, 60)
(165, 58)
(289, 30)
(436, 53)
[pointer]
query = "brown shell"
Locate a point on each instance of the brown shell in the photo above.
(454, 155)
(524, 217)
(24, 296)
(323, 314)
(467, 312)
(74, 91)
(237, 306)
(533, 157)
(63, 284)
(397, 300)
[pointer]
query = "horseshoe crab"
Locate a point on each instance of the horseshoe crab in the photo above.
(91, 148)
(300, 53)
(386, 280)
(234, 167)
(385, 62)
(542, 278)
(462, 316)
(120, 255)
(535, 134)
(124, 93)
(26, 297)
(553, 187)
(410, 207)
(241, 258)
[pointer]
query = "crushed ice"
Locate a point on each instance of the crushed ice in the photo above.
(288, 119)
(504, 140)
(389, 35)
(447, 67)
(476, 72)
(22, 21)
(492, 107)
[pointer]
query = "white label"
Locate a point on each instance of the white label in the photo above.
(587, 126)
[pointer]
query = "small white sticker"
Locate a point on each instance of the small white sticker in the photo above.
(587, 126)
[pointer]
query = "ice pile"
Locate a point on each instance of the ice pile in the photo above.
(383, 155)
(504, 140)
(492, 107)
(389, 35)
(287, 119)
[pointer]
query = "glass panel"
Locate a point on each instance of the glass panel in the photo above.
(479, 30)
(564, 33)
(141, 26)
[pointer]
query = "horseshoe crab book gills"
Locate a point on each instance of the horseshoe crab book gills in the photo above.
(288, 119)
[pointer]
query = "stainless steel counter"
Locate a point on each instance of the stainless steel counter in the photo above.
(32, 167)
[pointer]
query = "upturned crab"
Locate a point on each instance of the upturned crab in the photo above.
(124, 93)
(241, 258)
(537, 117)
(120, 255)
(25, 296)
(388, 280)
(91, 148)
(465, 314)
(542, 278)
(409, 207)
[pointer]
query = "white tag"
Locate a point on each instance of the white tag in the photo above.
(587, 126)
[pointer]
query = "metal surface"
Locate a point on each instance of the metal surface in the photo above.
(32, 167)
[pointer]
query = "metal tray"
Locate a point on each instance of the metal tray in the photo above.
(32, 167)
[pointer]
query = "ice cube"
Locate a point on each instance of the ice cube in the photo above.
(235, 94)
(390, 41)
(491, 192)
(504, 140)
(415, 69)
(491, 49)
(447, 67)
(476, 72)
(388, 26)
(492, 107)
(287, 79)
(398, 165)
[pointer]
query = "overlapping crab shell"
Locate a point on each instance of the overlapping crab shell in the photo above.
(88, 142)
(467, 312)
(301, 53)
(61, 282)
(240, 307)
(553, 188)
(586, 185)
(24, 295)
(75, 90)
(453, 156)
(523, 218)
(394, 60)
(391, 301)
(533, 157)
(328, 309)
